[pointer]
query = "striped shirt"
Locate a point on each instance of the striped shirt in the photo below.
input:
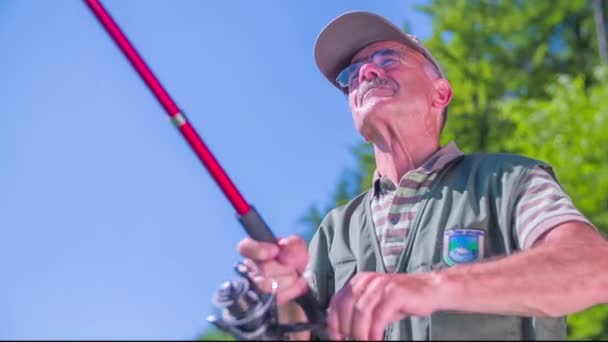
(540, 204)
(394, 208)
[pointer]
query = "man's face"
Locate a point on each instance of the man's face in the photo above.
(397, 91)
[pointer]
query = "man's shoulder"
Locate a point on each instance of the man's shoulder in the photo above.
(354, 207)
(353, 204)
(492, 169)
(502, 160)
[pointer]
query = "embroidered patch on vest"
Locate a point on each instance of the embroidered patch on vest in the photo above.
(461, 246)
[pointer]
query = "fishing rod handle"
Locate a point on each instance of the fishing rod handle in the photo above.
(258, 230)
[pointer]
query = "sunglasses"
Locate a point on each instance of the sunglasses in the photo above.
(381, 58)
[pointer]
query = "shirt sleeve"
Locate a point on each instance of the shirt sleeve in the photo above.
(541, 204)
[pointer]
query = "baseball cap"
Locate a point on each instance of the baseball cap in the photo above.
(348, 33)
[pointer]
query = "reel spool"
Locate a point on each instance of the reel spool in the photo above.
(249, 314)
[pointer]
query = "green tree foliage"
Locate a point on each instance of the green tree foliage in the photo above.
(568, 129)
(493, 50)
(214, 334)
(526, 80)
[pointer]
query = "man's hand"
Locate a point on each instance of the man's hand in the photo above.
(283, 262)
(364, 307)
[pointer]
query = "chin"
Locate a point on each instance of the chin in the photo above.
(367, 121)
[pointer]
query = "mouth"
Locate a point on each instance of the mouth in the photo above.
(381, 87)
(381, 91)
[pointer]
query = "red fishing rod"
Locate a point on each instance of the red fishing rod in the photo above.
(248, 216)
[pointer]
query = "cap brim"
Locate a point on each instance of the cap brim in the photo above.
(345, 35)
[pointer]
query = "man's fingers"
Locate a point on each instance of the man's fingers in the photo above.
(362, 312)
(333, 322)
(342, 305)
(289, 293)
(293, 252)
(360, 281)
(344, 308)
(385, 312)
(271, 269)
(265, 282)
(257, 250)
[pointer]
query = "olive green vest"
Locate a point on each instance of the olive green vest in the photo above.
(473, 191)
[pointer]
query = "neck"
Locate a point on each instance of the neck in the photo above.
(396, 155)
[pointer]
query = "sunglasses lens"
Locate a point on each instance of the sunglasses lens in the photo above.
(346, 76)
(386, 57)
(382, 59)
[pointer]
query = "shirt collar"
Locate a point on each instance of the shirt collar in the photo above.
(434, 163)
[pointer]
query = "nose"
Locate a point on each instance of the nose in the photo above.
(370, 71)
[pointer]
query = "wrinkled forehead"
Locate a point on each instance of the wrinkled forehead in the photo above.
(370, 49)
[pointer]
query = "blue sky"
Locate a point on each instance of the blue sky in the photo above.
(110, 228)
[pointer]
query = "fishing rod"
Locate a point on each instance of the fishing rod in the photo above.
(247, 312)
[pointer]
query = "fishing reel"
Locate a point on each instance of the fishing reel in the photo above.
(249, 314)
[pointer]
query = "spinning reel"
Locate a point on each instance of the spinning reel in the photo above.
(249, 314)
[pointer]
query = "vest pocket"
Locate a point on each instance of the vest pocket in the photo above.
(470, 326)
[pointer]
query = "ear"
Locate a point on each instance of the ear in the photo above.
(443, 93)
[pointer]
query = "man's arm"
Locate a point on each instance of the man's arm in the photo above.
(564, 272)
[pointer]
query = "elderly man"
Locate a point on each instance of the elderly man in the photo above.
(443, 245)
